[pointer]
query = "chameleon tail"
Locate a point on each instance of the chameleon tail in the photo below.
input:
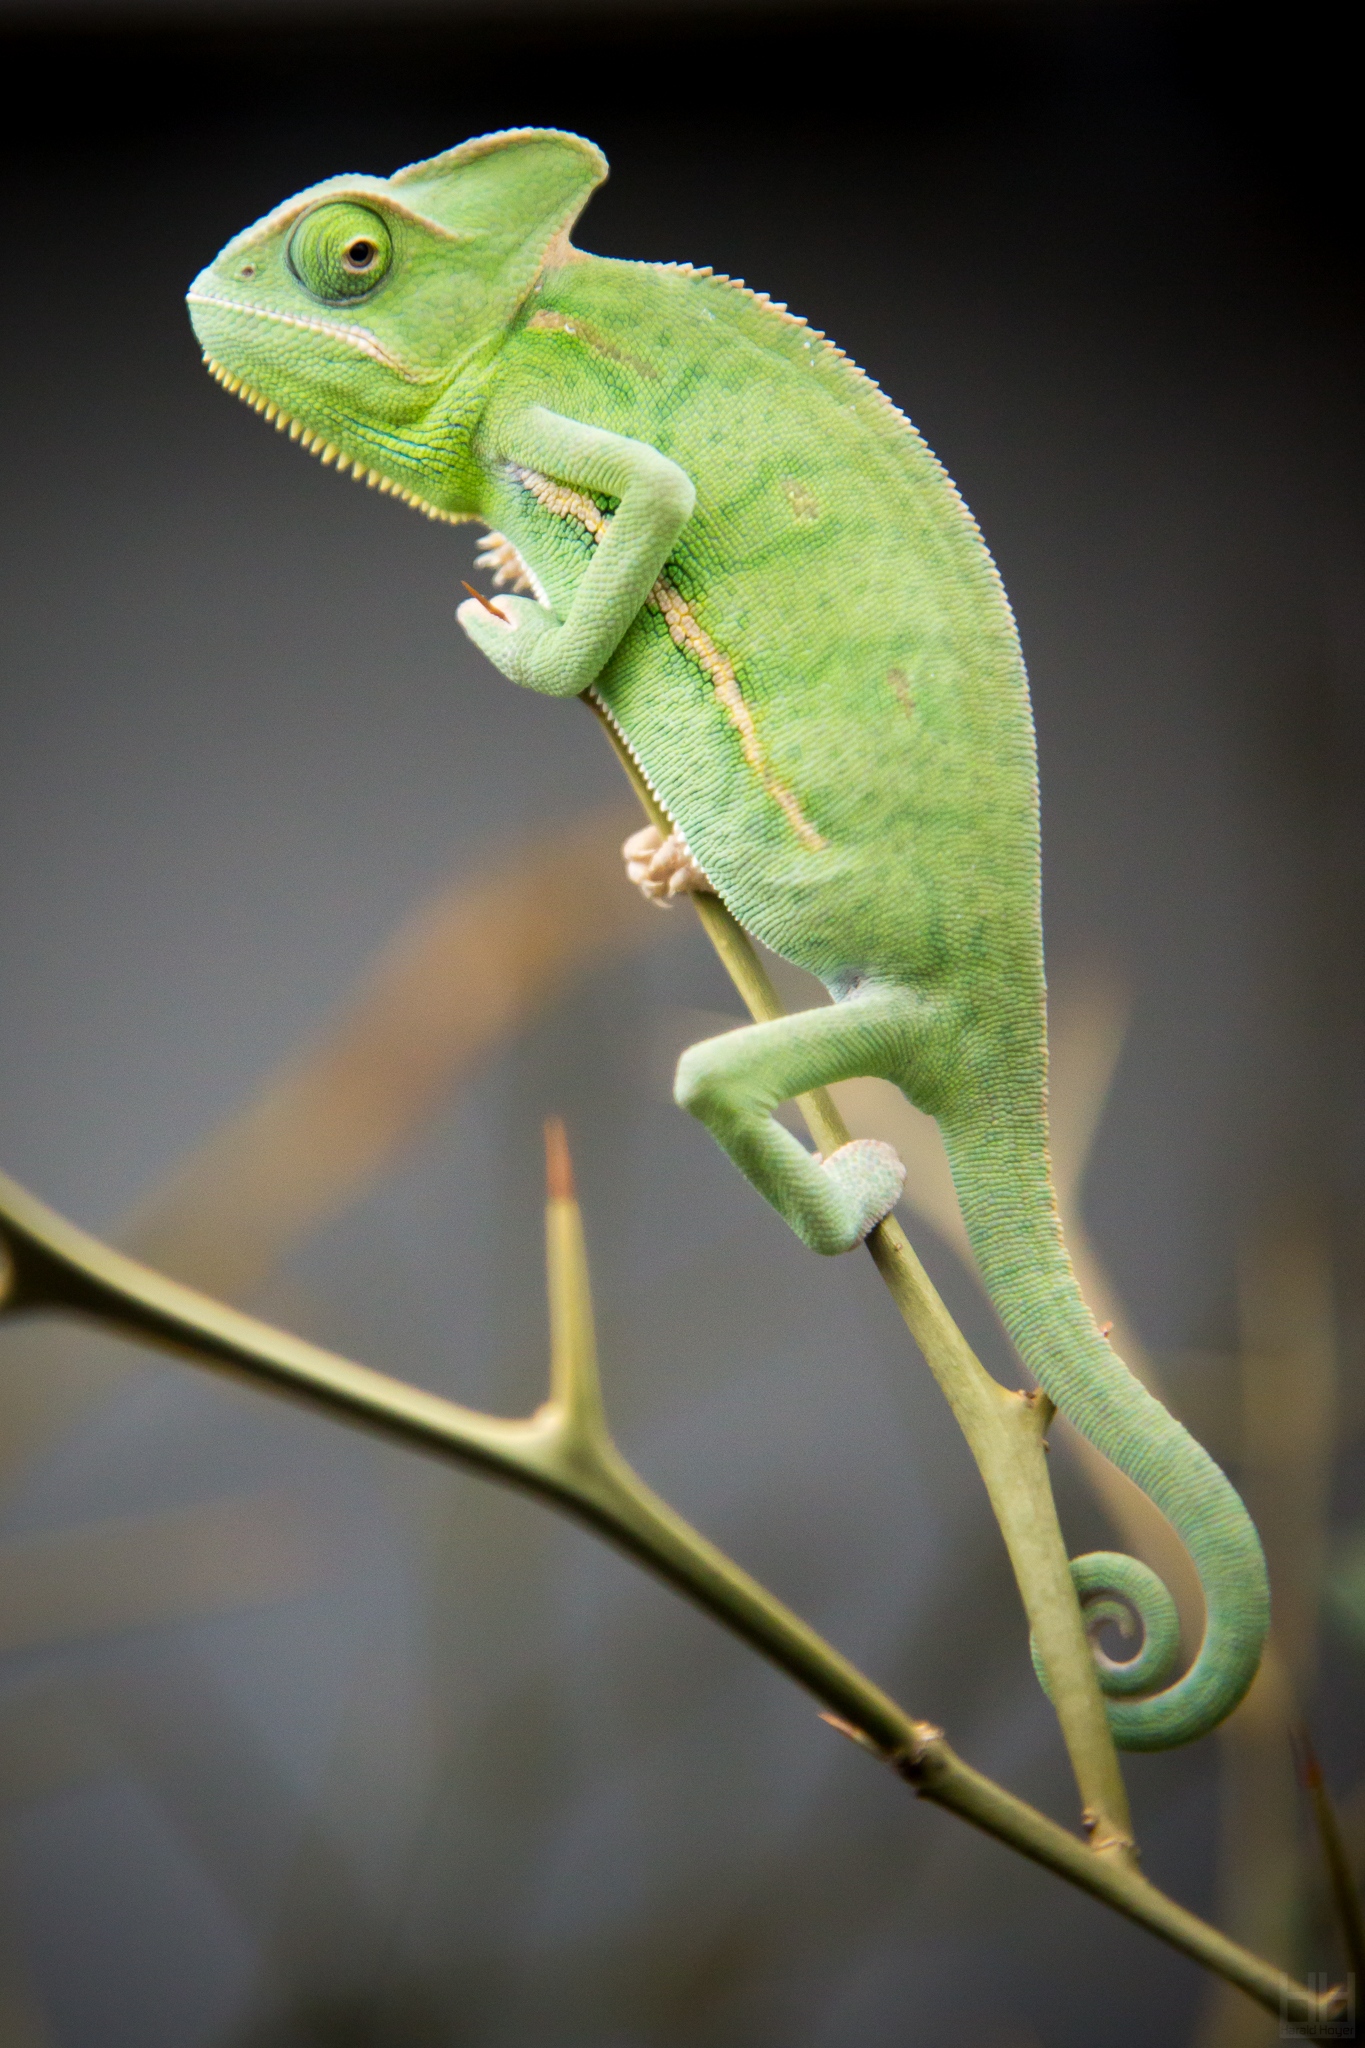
(1004, 1184)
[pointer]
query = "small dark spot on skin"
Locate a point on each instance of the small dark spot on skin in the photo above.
(900, 683)
(247, 270)
(842, 986)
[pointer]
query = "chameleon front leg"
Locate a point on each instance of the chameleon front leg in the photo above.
(654, 502)
(734, 1083)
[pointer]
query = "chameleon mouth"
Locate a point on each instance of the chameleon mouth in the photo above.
(326, 451)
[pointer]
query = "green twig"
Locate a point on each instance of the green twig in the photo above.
(1005, 1431)
(564, 1454)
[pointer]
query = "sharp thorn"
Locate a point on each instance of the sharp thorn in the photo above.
(837, 1722)
(502, 616)
(1336, 1857)
(559, 1185)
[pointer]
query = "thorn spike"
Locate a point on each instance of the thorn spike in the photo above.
(506, 622)
(559, 1185)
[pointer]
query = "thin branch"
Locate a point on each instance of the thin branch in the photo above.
(1004, 1430)
(565, 1455)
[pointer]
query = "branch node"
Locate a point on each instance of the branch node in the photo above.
(1043, 1409)
(915, 1762)
(1104, 1838)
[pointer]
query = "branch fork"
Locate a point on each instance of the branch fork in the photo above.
(564, 1453)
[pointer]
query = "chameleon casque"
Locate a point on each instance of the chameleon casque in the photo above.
(748, 557)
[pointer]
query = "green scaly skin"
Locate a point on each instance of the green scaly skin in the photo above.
(752, 560)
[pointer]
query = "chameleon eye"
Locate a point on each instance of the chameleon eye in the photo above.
(340, 252)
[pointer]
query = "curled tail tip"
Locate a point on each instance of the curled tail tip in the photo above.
(1009, 1206)
(1148, 1708)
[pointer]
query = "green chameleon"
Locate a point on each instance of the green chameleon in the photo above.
(741, 551)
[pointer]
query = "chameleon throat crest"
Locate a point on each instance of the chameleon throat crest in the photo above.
(319, 445)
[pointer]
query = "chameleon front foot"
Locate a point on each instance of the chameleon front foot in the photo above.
(663, 869)
(509, 570)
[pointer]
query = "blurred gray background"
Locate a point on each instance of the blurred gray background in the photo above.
(307, 920)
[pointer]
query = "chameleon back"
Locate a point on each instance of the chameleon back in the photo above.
(855, 777)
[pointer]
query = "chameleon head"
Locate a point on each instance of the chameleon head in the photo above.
(360, 314)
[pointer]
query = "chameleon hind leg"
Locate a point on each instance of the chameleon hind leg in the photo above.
(734, 1083)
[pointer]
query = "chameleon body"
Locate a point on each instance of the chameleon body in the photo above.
(758, 569)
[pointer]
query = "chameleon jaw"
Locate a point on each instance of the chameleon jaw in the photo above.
(318, 444)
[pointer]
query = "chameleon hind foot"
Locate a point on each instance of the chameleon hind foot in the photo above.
(733, 1084)
(663, 869)
(869, 1176)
